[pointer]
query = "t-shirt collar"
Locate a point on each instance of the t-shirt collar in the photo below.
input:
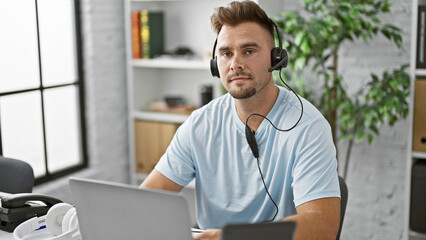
(241, 125)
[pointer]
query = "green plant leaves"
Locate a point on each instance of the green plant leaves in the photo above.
(313, 38)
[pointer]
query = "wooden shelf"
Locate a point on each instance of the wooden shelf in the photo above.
(420, 72)
(418, 155)
(414, 156)
(171, 64)
(159, 116)
(417, 234)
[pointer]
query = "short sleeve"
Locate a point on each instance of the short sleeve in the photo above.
(177, 162)
(315, 169)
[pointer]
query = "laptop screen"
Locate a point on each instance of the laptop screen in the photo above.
(114, 211)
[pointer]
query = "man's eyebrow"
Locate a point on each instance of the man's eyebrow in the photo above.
(245, 45)
(223, 48)
(250, 44)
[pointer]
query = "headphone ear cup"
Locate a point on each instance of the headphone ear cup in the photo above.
(275, 56)
(284, 55)
(55, 216)
(213, 67)
(278, 54)
(68, 222)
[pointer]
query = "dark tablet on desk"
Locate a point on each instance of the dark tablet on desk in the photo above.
(259, 231)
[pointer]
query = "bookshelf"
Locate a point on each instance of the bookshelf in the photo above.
(186, 24)
(193, 64)
(417, 137)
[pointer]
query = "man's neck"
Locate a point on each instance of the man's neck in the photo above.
(261, 103)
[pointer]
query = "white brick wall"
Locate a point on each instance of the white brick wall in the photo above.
(106, 97)
(377, 173)
(103, 34)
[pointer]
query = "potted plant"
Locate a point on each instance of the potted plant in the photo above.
(313, 38)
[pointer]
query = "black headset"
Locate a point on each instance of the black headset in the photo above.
(279, 57)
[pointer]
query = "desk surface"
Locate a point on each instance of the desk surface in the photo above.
(41, 234)
(5, 235)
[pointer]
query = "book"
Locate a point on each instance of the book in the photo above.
(419, 116)
(421, 37)
(152, 33)
(136, 36)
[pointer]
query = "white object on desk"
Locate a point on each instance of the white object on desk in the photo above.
(42, 234)
(196, 231)
(60, 223)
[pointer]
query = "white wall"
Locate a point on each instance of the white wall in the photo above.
(105, 93)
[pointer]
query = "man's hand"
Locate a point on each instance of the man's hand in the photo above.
(209, 234)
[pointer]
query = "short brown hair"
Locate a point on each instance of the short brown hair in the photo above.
(240, 12)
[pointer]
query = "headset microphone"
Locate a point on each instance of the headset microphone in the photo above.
(251, 140)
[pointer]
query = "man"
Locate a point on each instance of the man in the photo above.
(298, 166)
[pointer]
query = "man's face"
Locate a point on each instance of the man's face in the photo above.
(243, 58)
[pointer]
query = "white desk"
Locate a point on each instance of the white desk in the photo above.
(5, 235)
(37, 235)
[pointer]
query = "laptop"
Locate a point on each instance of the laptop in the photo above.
(111, 211)
(264, 231)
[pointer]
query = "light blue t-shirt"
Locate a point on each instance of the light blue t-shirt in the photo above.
(210, 146)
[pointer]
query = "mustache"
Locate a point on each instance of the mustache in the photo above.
(238, 74)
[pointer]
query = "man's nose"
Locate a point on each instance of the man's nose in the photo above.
(237, 63)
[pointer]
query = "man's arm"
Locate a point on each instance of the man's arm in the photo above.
(317, 219)
(156, 180)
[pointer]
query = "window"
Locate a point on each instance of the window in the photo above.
(41, 86)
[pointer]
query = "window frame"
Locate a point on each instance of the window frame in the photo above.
(79, 83)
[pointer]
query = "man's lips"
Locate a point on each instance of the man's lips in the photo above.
(239, 79)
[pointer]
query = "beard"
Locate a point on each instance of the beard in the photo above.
(242, 93)
(241, 90)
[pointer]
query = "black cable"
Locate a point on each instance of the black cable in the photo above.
(278, 129)
(267, 191)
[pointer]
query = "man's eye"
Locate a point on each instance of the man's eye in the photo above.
(249, 52)
(226, 54)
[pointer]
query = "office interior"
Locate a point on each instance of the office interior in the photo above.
(378, 176)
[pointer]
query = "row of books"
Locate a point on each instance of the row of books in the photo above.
(147, 34)
(421, 37)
